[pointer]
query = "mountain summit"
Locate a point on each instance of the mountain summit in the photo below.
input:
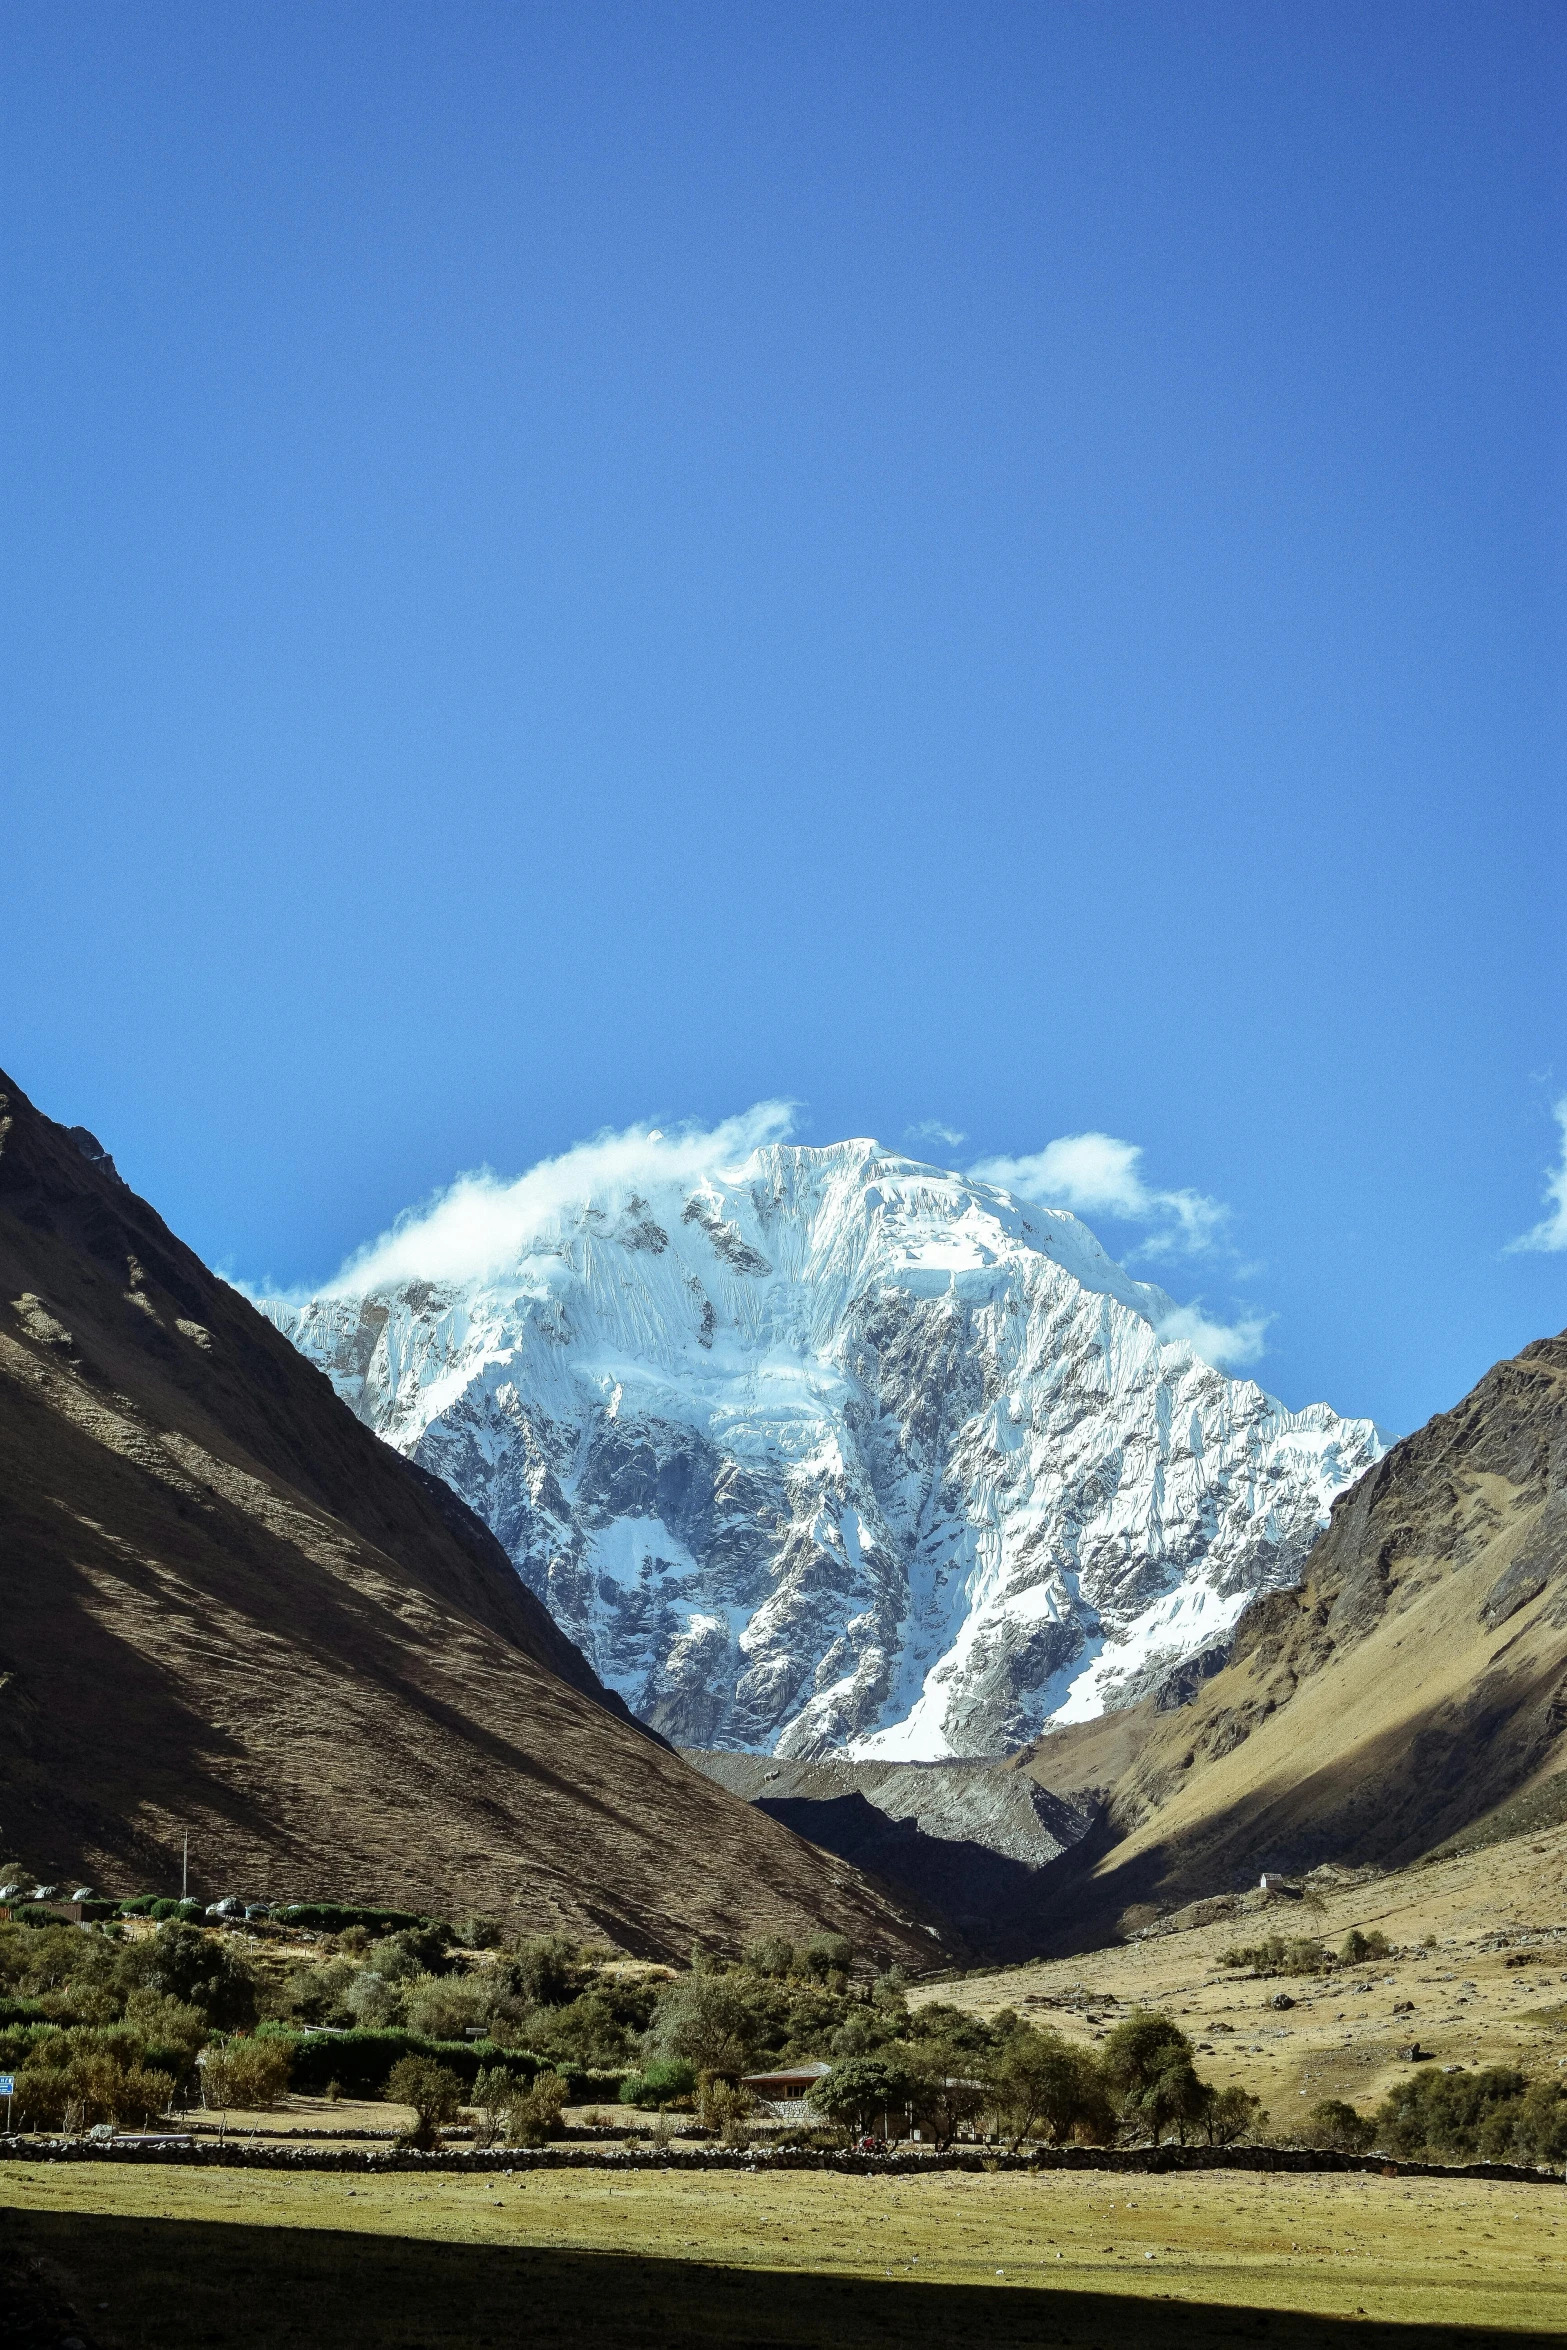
(835, 1450)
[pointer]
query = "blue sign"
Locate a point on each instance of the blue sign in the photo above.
(7, 2085)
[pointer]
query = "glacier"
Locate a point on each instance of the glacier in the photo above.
(830, 1451)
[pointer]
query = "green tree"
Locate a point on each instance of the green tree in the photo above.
(705, 2020)
(863, 2093)
(948, 2086)
(442, 2007)
(1442, 2115)
(586, 2031)
(1148, 2069)
(772, 1954)
(1139, 2049)
(1045, 2087)
(547, 1971)
(1232, 2114)
(433, 2090)
(826, 1955)
(162, 2022)
(1531, 2128)
(198, 1969)
(1175, 2103)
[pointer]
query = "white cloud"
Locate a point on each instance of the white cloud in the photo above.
(932, 1130)
(482, 1222)
(1226, 1345)
(1551, 1231)
(1095, 1174)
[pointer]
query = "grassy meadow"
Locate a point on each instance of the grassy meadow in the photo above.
(146, 2256)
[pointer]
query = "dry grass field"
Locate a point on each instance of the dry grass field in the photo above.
(1457, 1996)
(150, 2256)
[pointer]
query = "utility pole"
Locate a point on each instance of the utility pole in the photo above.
(185, 1869)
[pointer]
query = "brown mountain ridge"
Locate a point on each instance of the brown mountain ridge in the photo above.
(1410, 1693)
(232, 1612)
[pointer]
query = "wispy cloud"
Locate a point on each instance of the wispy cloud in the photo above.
(1551, 1231)
(1228, 1346)
(481, 1223)
(932, 1130)
(1096, 1174)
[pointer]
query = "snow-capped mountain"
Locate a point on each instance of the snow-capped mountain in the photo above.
(833, 1450)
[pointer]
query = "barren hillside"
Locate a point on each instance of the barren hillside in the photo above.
(230, 1610)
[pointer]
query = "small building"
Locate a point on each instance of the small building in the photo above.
(784, 2093)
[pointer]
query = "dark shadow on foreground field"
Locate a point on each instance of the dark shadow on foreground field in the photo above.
(204, 2283)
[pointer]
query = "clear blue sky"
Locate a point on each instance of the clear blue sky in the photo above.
(989, 564)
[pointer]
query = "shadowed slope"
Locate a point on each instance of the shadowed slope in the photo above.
(267, 2287)
(231, 1610)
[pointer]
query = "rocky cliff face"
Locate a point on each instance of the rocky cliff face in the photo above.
(838, 1451)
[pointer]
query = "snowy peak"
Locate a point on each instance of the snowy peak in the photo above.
(834, 1449)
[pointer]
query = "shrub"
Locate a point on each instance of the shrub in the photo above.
(535, 2114)
(772, 1955)
(479, 1933)
(252, 2074)
(330, 1917)
(167, 2024)
(1303, 1955)
(362, 2061)
(494, 2093)
(441, 2007)
(663, 2082)
(721, 2103)
(547, 1970)
(586, 2031)
(142, 2094)
(41, 2095)
(1531, 2128)
(89, 2086)
(412, 1950)
(433, 2090)
(828, 1954)
(1356, 1947)
(1442, 2115)
(1338, 2127)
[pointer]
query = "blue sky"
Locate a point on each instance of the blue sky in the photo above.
(979, 568)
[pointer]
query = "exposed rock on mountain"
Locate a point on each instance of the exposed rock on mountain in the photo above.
(838, 1451)
(231, 1611)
